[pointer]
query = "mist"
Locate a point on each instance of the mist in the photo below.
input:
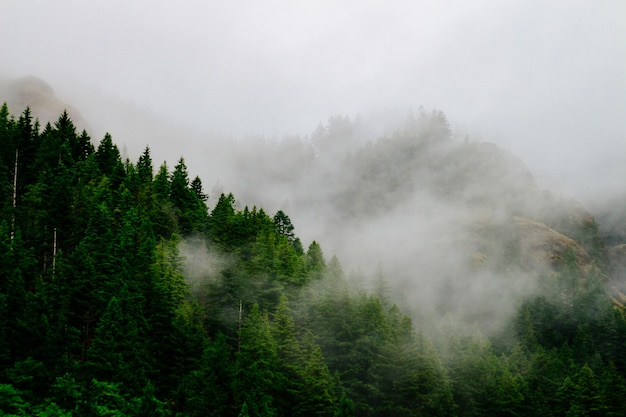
(544, 81)
(293, 107)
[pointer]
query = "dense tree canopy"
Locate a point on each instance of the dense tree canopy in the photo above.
(96, 317)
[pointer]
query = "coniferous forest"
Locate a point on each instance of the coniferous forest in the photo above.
(97, 317)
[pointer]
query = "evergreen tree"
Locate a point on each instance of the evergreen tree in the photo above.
(81, 147)
(315, 263)
(283, 226)
(320, 393)
(11, 401)
(208, 390)
(196, 187)
(613, 387)
(189, 208)
(588, 398)
(144, 167)
(108, 158)
(118, 353)
(162, 185)
(221, 221)
(257, 366)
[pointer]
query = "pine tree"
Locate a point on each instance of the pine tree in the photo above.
(315, 263)
(588, 399)
(81, 147)
(257, 367)
(179, 185)
(320, 392)
(196, 187)
(221, 221)
(144, 167)
(207, 391)
(118, 353)
(162, 183)
(162, 214)
(108, 158)
(613, 387)
(283, 226)
(11, 401)
(189, 208)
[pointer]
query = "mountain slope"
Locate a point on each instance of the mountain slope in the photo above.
(410, 202)
(40, 97)
(510, 314)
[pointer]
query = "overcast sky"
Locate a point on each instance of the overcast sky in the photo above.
(545, 79)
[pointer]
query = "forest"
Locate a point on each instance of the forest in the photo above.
(102, 314)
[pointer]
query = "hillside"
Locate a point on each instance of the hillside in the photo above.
(35, 93)
(127, 290)
(424, 206)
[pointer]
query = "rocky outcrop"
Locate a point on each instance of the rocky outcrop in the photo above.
(35, 93)
(543, 247)
(518, 242)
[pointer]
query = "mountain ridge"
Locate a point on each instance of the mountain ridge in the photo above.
(418, 168)
(35, 93)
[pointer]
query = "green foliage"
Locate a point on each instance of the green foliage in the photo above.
(208, 390)
(108, 157)
(144, 167)
(11, 402)
(96, 318)
(484, 383)
(257, 373)
(283, 226)
(117, 353)
(187, 201)
(222, 220)
(385, 367)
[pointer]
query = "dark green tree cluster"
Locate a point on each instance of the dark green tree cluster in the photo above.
(386, 367)
(95, 315)
(92, 299)
(561, 356)
(96, 318)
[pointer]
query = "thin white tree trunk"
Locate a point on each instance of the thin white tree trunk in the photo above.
(14, 195)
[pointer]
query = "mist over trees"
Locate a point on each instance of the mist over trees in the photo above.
(129, 288)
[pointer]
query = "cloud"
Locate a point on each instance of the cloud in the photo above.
(201, 266)
(278, 67)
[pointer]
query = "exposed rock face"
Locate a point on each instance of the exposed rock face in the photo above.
(543, 247)
(40, 97)
(528, 244)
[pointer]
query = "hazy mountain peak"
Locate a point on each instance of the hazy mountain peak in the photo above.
(31, 88)
(31, 91)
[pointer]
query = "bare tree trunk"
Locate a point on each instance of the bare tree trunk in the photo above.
(14, 195)
(54, 252)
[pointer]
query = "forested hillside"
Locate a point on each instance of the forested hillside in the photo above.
(122, 293)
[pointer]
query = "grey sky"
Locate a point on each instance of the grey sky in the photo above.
(546, 79)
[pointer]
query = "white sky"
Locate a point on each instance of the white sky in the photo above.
(545, 79)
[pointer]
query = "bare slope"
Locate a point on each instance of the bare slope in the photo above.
(33, 92)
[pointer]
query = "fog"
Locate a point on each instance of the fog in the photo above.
(544, 80)
(246, 91)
